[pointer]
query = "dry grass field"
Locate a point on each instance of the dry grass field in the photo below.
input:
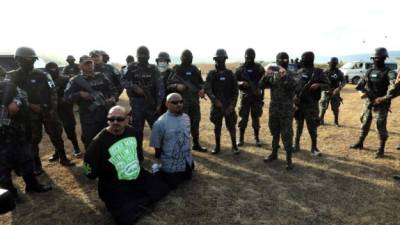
(341, 187)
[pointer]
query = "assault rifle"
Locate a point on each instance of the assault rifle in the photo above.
(98, 97)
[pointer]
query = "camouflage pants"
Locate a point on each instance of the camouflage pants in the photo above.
(324, 103)
(53, 127)
(216, 117)
(380, 113)
(308, 113)
(251, 106)
(193, 111)
(281, 127)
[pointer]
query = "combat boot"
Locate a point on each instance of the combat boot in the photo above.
(289, 163)
(198, 147)
(273, 156)
(359, 144)
(314, 150)
(241, 138)
(256, 138)
(32, 184)
(235, 150)
(54, 158)
(66, 162)
(217, 147)
(337, 119)
(381, 150)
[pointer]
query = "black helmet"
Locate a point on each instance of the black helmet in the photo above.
(334, 60)
(130, 58)
(221, 53)
(380, 53)
(143, 51)
(70, 57)
(163, 56)
(51, 65)
(25, 52)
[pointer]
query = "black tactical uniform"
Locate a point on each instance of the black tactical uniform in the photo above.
(375, 84)
(307, 100)
(41, 91)
(93, 112)
(72, 68)
(337, 82)
(15, 149)
(221, 87)
(110, 72)
(251, 95)
(145, 106)
(190, 76)
(65, 109)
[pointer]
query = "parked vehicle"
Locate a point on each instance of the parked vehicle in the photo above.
(354, 71)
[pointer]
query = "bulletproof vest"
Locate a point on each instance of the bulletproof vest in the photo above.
(37, 85)
(143, 76)
(222, 85)
(310, 76)
(252, 74)
(378, 81)
(334, 78)
(190, 74)
(61, 82)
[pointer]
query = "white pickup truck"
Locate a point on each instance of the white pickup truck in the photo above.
(354, 71)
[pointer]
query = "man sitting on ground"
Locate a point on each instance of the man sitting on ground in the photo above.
(170, 137)
(124, 186)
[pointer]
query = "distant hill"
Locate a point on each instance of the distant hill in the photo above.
(393, 55)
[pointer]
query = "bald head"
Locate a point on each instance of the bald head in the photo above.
(174, 103)
(117, 110)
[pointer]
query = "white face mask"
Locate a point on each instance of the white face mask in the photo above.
(162, 66)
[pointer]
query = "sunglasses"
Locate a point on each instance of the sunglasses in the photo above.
(118, 119)
(176, 102)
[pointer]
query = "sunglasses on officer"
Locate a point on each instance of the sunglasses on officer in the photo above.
(116, 118)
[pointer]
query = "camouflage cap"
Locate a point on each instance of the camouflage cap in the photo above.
(84, 59)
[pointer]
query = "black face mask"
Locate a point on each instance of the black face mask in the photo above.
(249, 56)
(307, 60)
(379, 62)
(186, 58)
(282, 59)
(220, 63)
(332, 65)
(143, 60)
(26, 63)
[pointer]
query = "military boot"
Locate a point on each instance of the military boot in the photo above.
(54, 158)
(32, 185)
(197, 146)
(257, 137)
(359, 144)
(217, 147)
(336, 119)
(289, 163)
(273, 156)
(314, 150)
(241, 137)
(65, 161)
(235, 148)
(381, 149)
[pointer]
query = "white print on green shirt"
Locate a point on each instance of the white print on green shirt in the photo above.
(124, 158)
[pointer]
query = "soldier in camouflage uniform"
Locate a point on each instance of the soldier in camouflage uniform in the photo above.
(72, 68)
(337, 82)
(145, 92)
(248, 76)
(373, 87)
(311, 81)
(65, 109)
(221, 87)
(282, 83)
(187, 80)
(15, 151)
(42, 98)
(94, 94)
(108, 70)
(163, 61)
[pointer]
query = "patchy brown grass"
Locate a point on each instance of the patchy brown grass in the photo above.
(341, 187)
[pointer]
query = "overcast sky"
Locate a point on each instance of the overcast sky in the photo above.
(329, 28)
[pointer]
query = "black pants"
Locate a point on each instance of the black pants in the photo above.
(175, 179)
